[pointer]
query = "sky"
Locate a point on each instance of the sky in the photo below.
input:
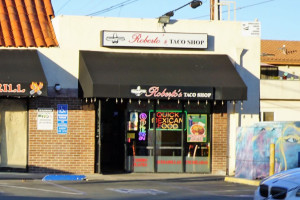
(280, 19)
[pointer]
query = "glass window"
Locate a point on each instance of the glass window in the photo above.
(269, 72)
(268, 116)
(139, 138)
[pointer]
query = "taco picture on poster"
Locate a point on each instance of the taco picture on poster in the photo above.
(196, 130)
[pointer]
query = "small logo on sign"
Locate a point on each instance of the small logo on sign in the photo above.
(115, 39)
(36, 88)
(138, 91)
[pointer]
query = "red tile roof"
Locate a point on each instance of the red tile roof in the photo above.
(280, 52)
(26, 23)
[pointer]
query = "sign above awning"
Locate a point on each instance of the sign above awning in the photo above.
(154, 39)
(21, 74)
(159, 76)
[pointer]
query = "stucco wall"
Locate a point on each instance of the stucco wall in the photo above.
(281, 108)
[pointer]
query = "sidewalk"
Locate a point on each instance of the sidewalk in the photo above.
(134, 176)
(155, 176)
(113, 177)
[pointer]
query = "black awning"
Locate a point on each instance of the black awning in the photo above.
(175, 76)
(21, 74)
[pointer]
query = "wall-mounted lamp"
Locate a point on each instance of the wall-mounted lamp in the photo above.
(57, 87)
(165, 19)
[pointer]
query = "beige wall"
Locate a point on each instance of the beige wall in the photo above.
(279, 89)
(13, 133)
(284, 110)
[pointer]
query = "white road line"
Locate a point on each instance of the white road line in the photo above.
(37, 189)
(242, 196)
(66, 188)
(137, 191)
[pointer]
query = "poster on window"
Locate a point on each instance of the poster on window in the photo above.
(196, 128)
(132, 124)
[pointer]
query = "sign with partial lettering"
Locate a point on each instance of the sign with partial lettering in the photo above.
(251, 29)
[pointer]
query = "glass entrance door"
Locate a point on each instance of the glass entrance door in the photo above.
(168, 137)
(169, 151)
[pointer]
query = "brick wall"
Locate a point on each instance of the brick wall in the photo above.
(219, 140)
(74, 152)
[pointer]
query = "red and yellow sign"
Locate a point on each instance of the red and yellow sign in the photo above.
(167, 120)
(9, 88)
(36, 88)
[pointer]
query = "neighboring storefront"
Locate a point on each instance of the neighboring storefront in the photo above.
(21, 79)
(279, 81)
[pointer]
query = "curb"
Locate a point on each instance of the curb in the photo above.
(242, 181)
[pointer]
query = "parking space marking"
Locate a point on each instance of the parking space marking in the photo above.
(240, 196)
(38, 189)
(66, 188)
(211, 192)
(137, 191)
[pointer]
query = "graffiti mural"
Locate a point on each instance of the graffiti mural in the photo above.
(253, 148)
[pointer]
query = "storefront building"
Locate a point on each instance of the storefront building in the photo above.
(159, 109)
(280, 71)
(170, 106)
(41, 126)
(16, 91)
(133, 95)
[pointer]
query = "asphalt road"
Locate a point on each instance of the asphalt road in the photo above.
(172, 189)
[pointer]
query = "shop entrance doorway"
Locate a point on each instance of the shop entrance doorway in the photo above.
(168, 137)
(13, 135)
(112, 137)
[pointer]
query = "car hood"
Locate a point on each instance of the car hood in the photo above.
(291, 176)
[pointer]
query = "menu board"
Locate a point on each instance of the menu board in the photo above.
(196, 128)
